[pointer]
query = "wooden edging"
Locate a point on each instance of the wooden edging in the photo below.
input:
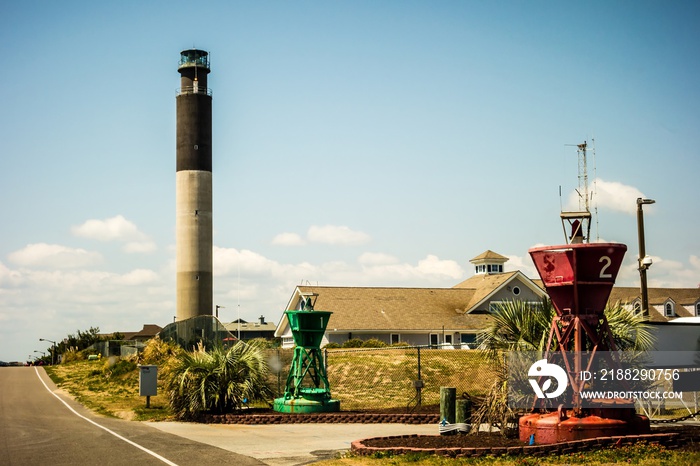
(330, 418)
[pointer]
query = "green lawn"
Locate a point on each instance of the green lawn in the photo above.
(101, 387)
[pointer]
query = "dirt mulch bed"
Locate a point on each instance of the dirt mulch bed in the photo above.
(686, 437)
(480, 440)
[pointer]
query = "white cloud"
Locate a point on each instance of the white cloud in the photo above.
(376, 258)
(137, 277)
(337, 235)
(139, 246)
(433, 265)
(522, 263)
(327, 234)
(116, 229)
(288, 239)
(610, 195)
(430, 271)
(232, 262)
(9, 277)
(53, 256)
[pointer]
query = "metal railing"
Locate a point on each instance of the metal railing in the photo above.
(193, 90)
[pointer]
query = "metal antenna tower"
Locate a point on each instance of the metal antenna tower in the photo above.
(583, 197)
(579, 222)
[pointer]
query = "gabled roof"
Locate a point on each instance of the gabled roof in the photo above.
(657, 296)
(392, 309)
(485, 285)
(681, 297)
(148, 331)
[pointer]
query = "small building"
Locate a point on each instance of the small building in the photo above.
(146, 333)
(251, 330)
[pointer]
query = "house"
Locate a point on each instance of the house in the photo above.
(673, 314)
(248, 330)
(416, 316)
(146, 333)
(665, 304)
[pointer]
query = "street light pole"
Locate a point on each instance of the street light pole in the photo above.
(53, 349)
(217, 310)
(643, 261)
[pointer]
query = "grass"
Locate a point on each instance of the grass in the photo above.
(382, 378)
(110, 388)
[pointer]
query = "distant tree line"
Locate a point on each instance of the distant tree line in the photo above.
(78, 341)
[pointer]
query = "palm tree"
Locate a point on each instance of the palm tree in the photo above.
(219, 380)
(520, 326)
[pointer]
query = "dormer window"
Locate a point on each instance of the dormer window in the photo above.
(668, 309)
(637, 308)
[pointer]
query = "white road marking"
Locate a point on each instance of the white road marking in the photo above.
(154, 454)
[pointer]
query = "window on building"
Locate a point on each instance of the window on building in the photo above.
(448, 339)
(467, 338)
(516, 290)
(697, 309)
(637, 308)
(395, 338)
(668, 310)
(434, 340)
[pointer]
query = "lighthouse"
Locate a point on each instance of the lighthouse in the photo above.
(193, 192)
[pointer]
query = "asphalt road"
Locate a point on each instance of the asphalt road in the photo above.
(37, 428)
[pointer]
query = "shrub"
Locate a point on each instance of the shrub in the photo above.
(158, 352)
(71, 355)
(114, 367)
(353, 343)
(373, 343)
(261, 343)
(399, 344)
(219, 380)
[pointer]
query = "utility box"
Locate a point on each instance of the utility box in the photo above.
(148, 380)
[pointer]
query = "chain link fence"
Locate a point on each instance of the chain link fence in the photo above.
(395, 379)
(121, 348)
(684, 404)
(408, 379)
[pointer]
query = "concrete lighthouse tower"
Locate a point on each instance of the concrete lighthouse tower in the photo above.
(193, 222)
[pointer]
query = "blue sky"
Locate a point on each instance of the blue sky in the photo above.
(355, 143)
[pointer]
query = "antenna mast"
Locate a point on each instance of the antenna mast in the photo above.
(582, 178)
(579, 222)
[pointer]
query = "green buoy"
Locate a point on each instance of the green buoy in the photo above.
(307, 389)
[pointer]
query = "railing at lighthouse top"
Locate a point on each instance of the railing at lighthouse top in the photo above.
(193, 90)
